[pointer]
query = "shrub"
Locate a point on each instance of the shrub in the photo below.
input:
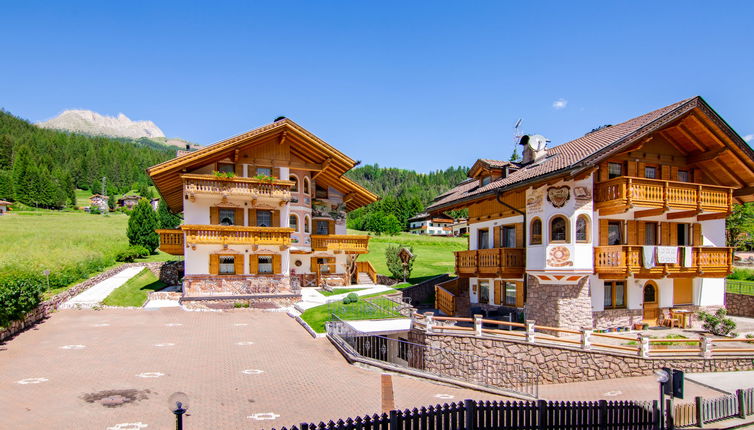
(394, 263)
(742, 275)
(131, 253)
(18, 295)
(717, 323)
(353, 297)
(141, 226)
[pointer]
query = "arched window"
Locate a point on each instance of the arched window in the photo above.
(536, 232)
(294, 179)
(306, 185)
(650, 293)
(558, 229)
(582, 228)
(306, 223)
(294, 222)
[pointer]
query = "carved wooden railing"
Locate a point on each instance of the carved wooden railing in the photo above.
(234, 235)
(508, 261)
(366, 267)
(627, 259)
(626, 190)
(171, 241)
(355, 244)
(445, 301)
(237, 186)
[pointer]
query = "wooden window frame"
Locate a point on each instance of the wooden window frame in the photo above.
(588, 228)
(293, 178)
(479, 235)
(613, 288)
(479, 288)
(535, 240)
(502, 235)
(270, 168)
(615, 163)
(256, 217)
(307, 225)
(621, 231)
(566, 224)
(307, 186)
(658, 171)
(272, 264)
(291, 217)
(688, 175)
(221, 163)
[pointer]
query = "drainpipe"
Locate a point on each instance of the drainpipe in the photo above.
(498, 197)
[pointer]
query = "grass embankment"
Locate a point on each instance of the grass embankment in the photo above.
(434, 255)
(318, 315)
(134, 291)
(337, 291)
(741, 281)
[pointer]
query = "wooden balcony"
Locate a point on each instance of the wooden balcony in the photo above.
(234, 235)
(351, 244)
(626, 260)
(625, 192)
(276, 191)
(495, 262)
(171, 241)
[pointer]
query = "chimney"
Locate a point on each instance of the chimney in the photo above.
(535, 148)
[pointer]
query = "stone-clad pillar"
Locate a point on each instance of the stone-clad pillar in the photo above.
(559, 305)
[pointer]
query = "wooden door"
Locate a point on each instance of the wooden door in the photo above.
(683, 291)
(651, 308)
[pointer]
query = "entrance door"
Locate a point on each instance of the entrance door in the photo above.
(651, 308)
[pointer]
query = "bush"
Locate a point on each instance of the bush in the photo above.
(394, 263)
(18, 295)
(141, 226)
(717, 323)
(742, 275)
(353, 297)
(131, 253)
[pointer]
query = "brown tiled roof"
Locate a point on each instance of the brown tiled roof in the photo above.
(570, 155)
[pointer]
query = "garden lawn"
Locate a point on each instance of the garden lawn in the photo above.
(434, 255)
(318, 315)
(337, 291)
(134, 291)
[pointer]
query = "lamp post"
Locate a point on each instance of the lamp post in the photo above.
(662, 377)
(178, 404)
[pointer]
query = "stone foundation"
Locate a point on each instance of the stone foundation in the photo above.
(554, 364)
(740, 305)
(240, 303)
(612, 318)
(236, 285)
(558, 305)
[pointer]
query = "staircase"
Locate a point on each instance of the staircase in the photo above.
(365, 273)
(363, 278)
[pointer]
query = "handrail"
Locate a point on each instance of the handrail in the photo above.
(195, 176)
(636, 178)
(341, 242)
(216, 234)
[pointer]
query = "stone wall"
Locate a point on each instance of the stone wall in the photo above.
(740, 305)
(235, 285)
(270, 302)
(554, 364)
(611, 318)
(386, 280)
(559, 305)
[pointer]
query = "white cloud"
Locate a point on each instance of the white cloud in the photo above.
(749, 137)
(560, 104)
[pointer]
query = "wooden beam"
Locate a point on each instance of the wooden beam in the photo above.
(684, 214)
(707, 217)
(650, 212)
(705, 156)
(325, 165)
(741, 192)
(691, 137)
(614, 210)
(637, 146)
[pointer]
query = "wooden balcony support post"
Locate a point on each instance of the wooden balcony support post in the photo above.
(627, 190)
(699, 198)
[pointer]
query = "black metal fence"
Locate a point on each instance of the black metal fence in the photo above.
(500, 415)
(442, 362)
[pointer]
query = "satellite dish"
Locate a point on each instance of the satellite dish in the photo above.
(537, 142)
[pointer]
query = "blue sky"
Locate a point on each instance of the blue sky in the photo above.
(420, 85)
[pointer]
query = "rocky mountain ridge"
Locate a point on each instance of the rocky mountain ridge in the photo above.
(93, 123)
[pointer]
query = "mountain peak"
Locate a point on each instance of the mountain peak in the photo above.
(93, 123)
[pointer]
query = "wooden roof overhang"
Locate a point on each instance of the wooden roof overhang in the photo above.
(328, 163)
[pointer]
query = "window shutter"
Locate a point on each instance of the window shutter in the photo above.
(642, 232)
(519, 294)
(603, 232)
(253, 264)
(632, 237)
(239, 169)
(631, 168)
(239, 216)
(313, 267)
(665, 227)
(276, 263)
(698, 176)
(214, 264)
(498, 292)
(214, 215)
(603, 172)
(238, 262)
(698, 240)
(496, 236)
(331, 227)
(665, 172)
(276, 172)
(673, 227)
(519, 235)
(641, 169)
(276, 218)
(673, 173)
(252, 217)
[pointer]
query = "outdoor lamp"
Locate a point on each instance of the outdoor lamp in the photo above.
(662, 377)
(178, 404)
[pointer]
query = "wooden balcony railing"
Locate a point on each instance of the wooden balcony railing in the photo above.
(624, 260)
(354, 244)
(495, 261)
(171, 241)
(237, 186)
(366, 267)
(629, 191)
(233, 235)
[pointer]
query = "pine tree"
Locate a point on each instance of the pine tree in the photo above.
(22, 180)
(6, 185)
(165, 219)
(141, 226)
(515, 156)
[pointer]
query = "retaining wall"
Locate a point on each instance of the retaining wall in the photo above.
(740, 305)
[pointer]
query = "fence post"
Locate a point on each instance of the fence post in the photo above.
(530, 331)
(699, 412)
(706, 345)
(393, 420)
(656, 415)
(541, 412)
(741, 404)
(304, 426)
(428, 317)
(478, 325)
(643, 345)
(469, 409)
(603, 414)
(586, 338)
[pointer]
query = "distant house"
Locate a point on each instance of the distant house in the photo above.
(99, 201)
(433, 226)
(460, 227)
(4, 207)
(128, 202)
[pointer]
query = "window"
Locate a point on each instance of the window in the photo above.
(559, 229)
(227, 265)
(323, 266)
(227, 216)
(614, 233)
(306, 185)
(264, 218)
(614, 170)
(306, 224)
(293, 221)
(264, 171)
(615, 295)
(508, 237)
(650, 172)
(264, 264)
(320, 192)
(483, 239)
(510, 294)
(683, 176)
(536, 232)
(650, 295)
(582, 228)
(650, 233)
(484, 291)
(294, 188)
(323, 227)
(684, 238)
(226, 168)
(486, 180)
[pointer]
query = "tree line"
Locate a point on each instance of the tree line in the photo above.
(41, 167)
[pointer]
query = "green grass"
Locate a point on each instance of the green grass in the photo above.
(740, 287)
(318, 315)
(134, 291)
(337, 291)
(670, 336)
(434, 255)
